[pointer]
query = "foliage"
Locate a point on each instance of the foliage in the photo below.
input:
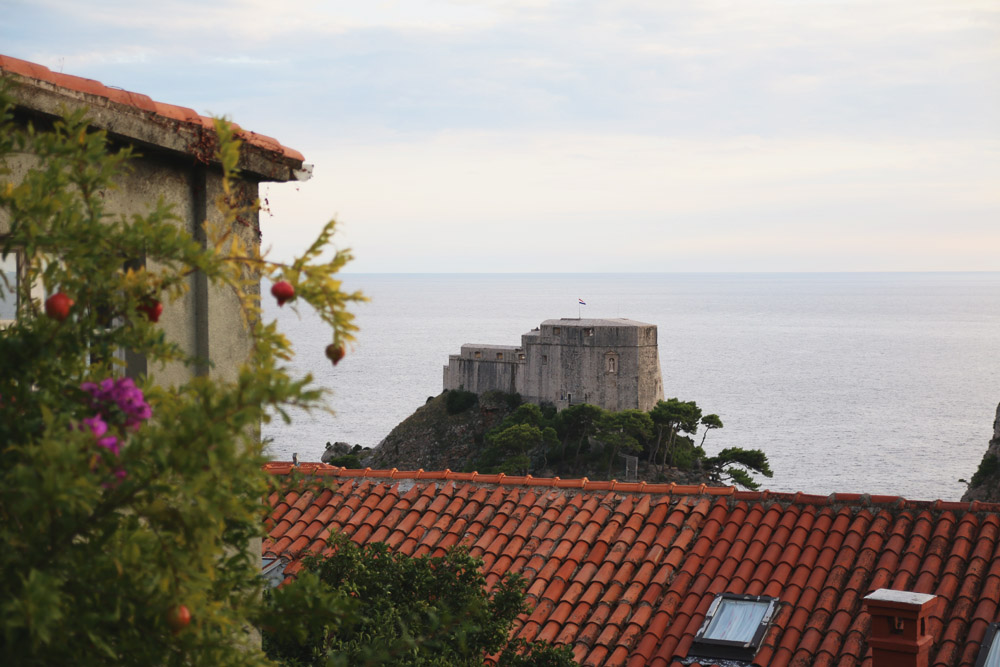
(352, 461)
(513, 400)
(526, 413)
(119, 502)
(459, 400)
(626, 430)
(671, 417)
(989, 468)
(577, 422)
(735, 464)
(710, 422)
(588, 438)
(406, 611)
(509, 449)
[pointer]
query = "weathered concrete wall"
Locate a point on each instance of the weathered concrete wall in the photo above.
(205, 322)
(613, 363)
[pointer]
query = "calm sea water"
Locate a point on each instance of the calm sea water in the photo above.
(877, 383)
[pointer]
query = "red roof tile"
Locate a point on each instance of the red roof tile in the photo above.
(625, 574)
(139, 102)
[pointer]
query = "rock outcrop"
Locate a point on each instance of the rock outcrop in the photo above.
(432, 439)
(985, 484)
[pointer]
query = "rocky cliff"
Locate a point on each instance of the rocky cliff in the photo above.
(434, 438)
(985, 484)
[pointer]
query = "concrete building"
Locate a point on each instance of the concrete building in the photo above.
(611, 363)
(176, 148)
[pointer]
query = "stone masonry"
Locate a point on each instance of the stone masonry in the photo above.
(611, 363)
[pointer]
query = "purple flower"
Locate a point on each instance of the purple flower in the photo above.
(110, 442)
(121, 394)
(96, 425)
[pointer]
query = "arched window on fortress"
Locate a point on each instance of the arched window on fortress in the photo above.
(611, 362)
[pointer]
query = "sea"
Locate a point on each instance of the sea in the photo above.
(881, 383)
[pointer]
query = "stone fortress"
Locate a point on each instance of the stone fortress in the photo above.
(611, 363)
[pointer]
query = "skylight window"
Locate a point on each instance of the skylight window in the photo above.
(989, 652)
(734, 626)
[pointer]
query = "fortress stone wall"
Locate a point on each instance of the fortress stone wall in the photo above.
(612, 363)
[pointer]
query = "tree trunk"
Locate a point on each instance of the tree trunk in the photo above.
(670, 446)
(659, 439)
(576, 457)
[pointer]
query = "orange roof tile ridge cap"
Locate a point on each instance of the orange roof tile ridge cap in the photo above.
(392, 473)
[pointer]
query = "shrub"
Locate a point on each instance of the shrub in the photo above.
(989, 468)
(127, 506)
(459, 400)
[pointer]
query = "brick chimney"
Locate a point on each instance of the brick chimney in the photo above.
(899, 636)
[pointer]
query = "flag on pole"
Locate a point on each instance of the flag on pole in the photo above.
(582, 302)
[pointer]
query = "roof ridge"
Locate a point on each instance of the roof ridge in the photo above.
(25, 68)
(663, 488)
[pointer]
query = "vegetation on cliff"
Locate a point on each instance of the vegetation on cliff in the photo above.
(985, 483)
(496, 432)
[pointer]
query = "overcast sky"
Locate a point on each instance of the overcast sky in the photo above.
(546, 135)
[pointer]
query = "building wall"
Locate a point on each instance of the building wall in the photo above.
(611, 363)
(204, 322)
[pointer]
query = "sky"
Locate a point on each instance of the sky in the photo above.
(585, 136)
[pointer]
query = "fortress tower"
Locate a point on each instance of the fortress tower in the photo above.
(612, 363)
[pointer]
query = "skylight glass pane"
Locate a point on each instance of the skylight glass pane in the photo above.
(736, 621)
(993, 658)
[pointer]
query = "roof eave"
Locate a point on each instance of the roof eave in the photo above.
(145, 122)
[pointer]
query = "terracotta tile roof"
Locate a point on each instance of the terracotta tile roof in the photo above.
(624, 573)
(139, 102)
